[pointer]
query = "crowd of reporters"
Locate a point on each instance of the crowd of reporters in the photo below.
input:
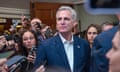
(24, 42)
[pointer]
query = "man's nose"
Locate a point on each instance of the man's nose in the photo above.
(62, 22)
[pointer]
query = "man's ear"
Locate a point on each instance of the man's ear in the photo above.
(75, 23)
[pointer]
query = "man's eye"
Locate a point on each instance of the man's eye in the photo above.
(59, 18)
(66, 18)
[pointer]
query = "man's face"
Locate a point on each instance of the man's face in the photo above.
(64, 20)
(2, 41)
(107, 27)
(34, 24)
(114, 54)
(25, 23)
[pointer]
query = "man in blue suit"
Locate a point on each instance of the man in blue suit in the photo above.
(102, 44)
(64, 52)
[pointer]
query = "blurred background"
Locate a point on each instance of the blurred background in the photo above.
(12, 10)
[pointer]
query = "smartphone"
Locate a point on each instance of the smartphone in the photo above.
(15, 59)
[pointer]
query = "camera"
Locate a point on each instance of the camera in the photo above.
(38, 25)
(16, 38)
(8, 37)
(9, 43)
(37, 28)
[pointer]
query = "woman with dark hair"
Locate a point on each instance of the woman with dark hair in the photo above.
(28, 47)
(92, 31)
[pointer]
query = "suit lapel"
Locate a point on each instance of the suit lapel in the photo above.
(77, 53)
(60, 50)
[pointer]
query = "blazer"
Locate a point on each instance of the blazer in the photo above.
(52, 51)
(102, 44)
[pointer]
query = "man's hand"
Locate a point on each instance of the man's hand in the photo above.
(3, 66)
(2, 41)
(40, 69)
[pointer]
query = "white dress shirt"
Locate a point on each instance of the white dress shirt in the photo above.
(68, 46)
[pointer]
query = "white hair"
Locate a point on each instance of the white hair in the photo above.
(73, 12)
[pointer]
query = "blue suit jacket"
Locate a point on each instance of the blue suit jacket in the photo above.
(102, 44)
(52, 51)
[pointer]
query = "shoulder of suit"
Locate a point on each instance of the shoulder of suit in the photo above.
(107, 33)
(80, 39)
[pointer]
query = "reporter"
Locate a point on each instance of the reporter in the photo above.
(36, 24)
(91, 32)
(6, 44)
(28, 40)
(25, 22)
(29, 44)
(36, 27)
(2, 42)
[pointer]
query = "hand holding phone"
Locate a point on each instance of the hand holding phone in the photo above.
(15, 60)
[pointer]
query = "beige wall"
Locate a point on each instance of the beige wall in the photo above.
(22, 4)
(87, 19)
(84, 18)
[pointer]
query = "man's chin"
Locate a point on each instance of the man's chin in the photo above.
(61, 32)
